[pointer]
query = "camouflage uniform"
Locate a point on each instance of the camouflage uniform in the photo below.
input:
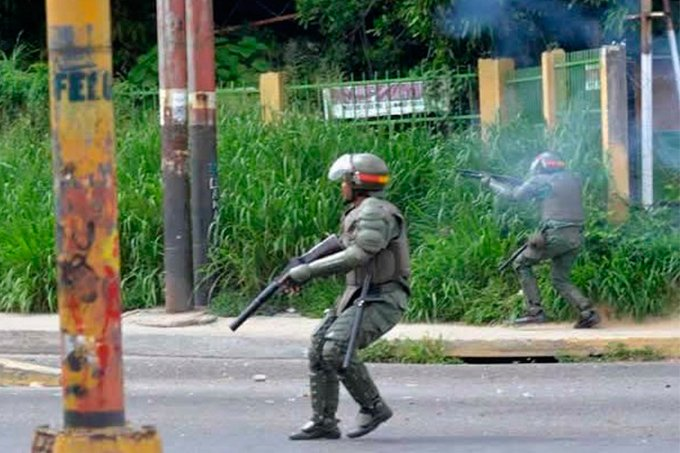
(375, 241)
(560, 240)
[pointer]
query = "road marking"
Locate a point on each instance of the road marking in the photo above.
(28, 367)
(24, 374)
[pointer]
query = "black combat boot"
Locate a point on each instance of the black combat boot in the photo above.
(368, 419)
(536, 317)
(588, 319)
(324, 429)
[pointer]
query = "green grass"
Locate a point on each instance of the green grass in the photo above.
(27, 262)
(617, 352)
(276, 202)
(425, 351)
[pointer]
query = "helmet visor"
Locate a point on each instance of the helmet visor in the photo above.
(341, 167)
(536, 166)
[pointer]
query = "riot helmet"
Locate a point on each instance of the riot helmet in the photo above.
(362, 171)
(547, 162)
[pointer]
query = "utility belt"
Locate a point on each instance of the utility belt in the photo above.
(387, 287)
(560, 225)
(375, 291)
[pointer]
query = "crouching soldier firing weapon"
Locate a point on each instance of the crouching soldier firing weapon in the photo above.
(375, 259)
(559, 239)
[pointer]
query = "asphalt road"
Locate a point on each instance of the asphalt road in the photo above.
(214, 405)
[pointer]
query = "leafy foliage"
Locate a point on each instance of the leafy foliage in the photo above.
(133, 31)
(235, 61)
(381, 35)
(356, 36)
(240, 61)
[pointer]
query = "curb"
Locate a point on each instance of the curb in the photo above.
(580, 347)
(25, 374)
(159, 318)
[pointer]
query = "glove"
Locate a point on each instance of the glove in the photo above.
(537, 240)
(291, 288)
(295, 278)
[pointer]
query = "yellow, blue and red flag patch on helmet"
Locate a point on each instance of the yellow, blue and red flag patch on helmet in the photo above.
(368, 178)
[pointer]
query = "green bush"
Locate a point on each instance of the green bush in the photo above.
(236, 61)
(23, 87)
(276, 202)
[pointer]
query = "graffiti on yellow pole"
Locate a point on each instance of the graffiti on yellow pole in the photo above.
(88, 262)
(87, 213)
(82, 86)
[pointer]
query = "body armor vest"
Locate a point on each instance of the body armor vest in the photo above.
(563, 204)
(390, 265)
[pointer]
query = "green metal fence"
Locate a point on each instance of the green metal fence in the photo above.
(230, 99)
(525, 95)
(134, 98)
(425, 96)
(578, 87)
(579, 82)
(238, 98)
(435, 96)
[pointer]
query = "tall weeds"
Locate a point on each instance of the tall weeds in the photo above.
(275, 202)
(27, 268)
(23, 87)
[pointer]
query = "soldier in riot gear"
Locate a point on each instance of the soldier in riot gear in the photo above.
(559, 239)
(375, 245)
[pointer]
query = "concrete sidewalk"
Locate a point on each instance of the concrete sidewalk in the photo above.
(287, 336)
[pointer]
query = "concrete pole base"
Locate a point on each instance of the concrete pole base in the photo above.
(103, 440)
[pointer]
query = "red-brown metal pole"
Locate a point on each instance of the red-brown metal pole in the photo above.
(202, 138)
(172, 73)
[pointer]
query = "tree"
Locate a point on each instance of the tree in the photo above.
(382, 33)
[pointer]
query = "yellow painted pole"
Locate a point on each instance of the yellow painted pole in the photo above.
(614, 108)
(492, 92)
(272, 96)
(552, 85)
(88, 276)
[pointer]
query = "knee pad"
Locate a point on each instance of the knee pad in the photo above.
(315, 355)
(332, 354)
